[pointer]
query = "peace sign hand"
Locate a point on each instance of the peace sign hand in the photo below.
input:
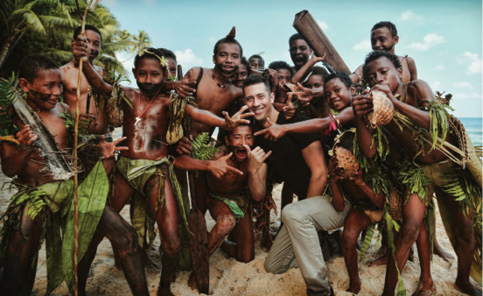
(220, 168)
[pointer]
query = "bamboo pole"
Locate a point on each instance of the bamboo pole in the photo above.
(76, 135)
(305, 24)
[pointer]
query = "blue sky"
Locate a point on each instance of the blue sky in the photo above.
(444, 37)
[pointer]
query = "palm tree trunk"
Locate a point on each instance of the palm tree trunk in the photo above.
(8, 46)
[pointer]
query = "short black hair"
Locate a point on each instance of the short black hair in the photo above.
(294, 37)
(376, 54)
(261, 61)
(32, 64)
(247, 65)
(388, 25)
(281, 65)
(78, 30)
(342, 76)
(227, 40)
(168, 53)
(255, 79)
(151, 53)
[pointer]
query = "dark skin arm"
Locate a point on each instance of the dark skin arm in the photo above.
(376, 198)
(14, 157)
(277, 131)
(81, 50)
(209, 118)
(337, 196)
(420, 90)
(362, 105)
(412, 68)
(217, 167)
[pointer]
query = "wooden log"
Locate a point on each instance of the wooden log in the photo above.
(305, 24)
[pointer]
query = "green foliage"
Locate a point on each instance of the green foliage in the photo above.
(47, 27)
(367, 240)
(202, 148)
(8, 94)
(413, 178)
(438, 122)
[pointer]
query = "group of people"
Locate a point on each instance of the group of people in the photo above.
(279, 124)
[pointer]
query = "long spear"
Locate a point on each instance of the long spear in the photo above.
(90, 5)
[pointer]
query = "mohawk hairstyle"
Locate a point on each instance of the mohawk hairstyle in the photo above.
(230, 38)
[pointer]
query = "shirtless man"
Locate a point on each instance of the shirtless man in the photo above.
(384, 37)
(214, 92)
(40, 79)
(383, 72)
(96, 118)
(228, 202)
(145, 126)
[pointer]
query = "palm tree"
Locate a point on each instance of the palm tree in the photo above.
(19, 16)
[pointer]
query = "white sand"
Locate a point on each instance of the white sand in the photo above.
(228, 277)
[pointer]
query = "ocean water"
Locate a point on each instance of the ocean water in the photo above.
(473, 126)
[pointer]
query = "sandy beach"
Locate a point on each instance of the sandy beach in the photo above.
(229, 277)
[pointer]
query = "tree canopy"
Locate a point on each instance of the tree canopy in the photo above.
(47, 27)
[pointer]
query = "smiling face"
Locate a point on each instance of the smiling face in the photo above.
(382, 39)
(149, 75)
(227, 58)
(45, 89)
(337, 94)
(241, 135)
(299, 52)
(382, 71)
(259, 100)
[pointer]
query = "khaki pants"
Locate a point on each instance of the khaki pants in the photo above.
(297, 243)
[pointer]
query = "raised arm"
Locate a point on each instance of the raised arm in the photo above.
(302, 71)
(257, 172)
(362, 105)
(80, 50)
(412, 69)
(211, 119)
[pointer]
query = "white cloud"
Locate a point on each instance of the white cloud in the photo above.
(463, 85)
(436, 86)
(429, 41)
(474, 62)
(440, 68)
(409, 15)
(364, 45)
(323, 25)
(188, 59)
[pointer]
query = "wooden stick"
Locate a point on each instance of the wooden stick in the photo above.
(76, 134)
(305, 24)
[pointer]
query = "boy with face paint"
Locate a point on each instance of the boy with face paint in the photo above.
(384, 37)
(231, 171)
(40, 79)
(145, 167)
(383, 72)
(94, 117)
